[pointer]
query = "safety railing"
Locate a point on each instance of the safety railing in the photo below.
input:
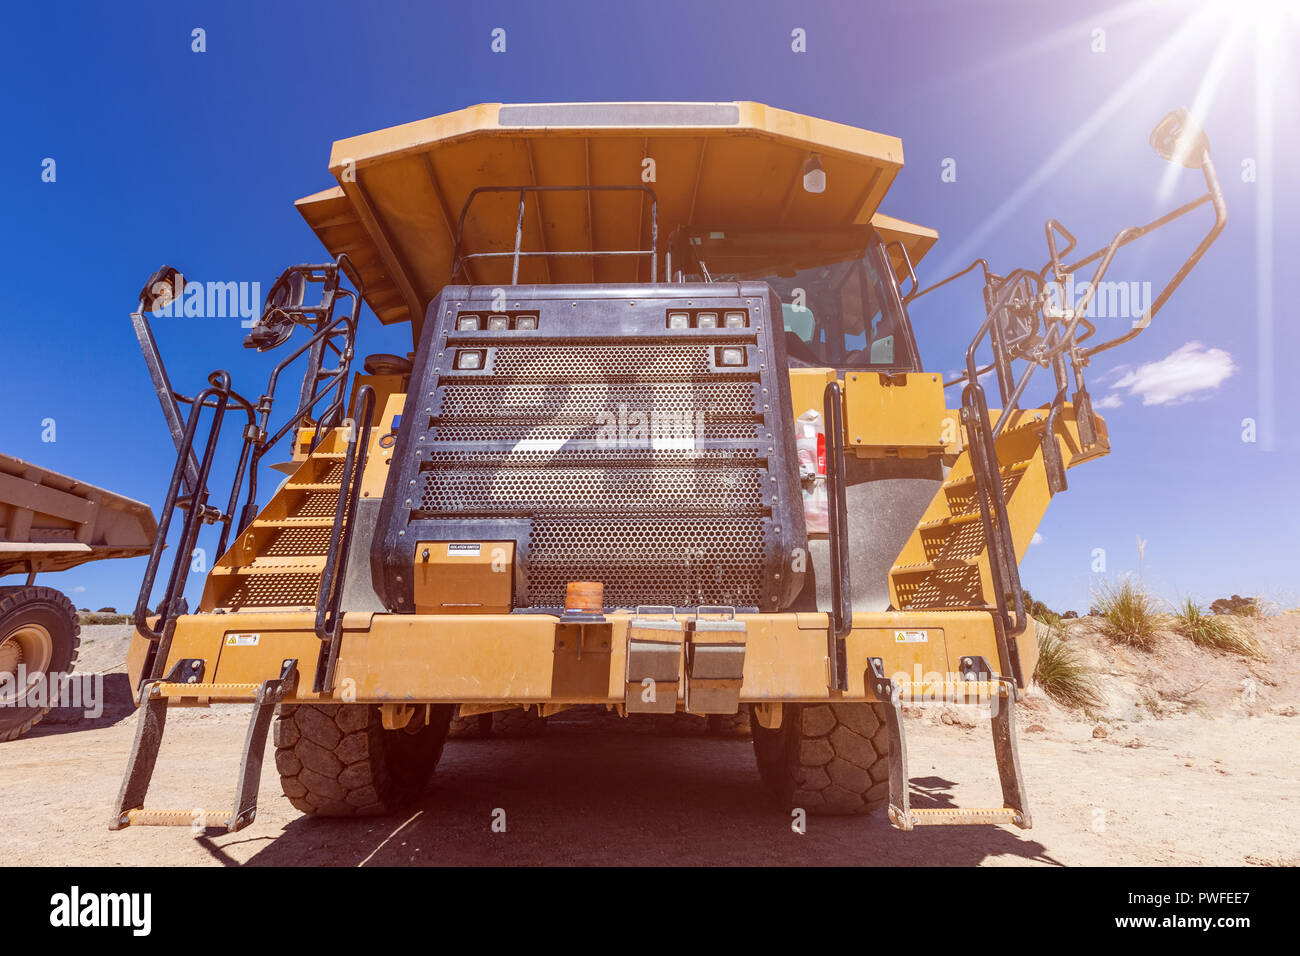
(220, 397)
(460, 259)
(329, 619)
(188, 489)
(1027, 320)
(841, 618)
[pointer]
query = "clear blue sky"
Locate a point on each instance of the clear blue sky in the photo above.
(167, 155)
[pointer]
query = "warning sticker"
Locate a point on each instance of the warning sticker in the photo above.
(911, 637)
(463, 550)
(242, 640)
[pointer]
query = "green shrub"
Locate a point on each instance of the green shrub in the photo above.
(95, 617)
(1238, 605)
(1128, 613)
(1062, 674)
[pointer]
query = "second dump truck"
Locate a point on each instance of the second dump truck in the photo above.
(51, 522)
(664, 442)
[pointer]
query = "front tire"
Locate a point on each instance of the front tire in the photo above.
(829, 759)
(39, 635)
(337, 760)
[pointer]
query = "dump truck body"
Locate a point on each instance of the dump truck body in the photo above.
(586, 483)
(51, 522)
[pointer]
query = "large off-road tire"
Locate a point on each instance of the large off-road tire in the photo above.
(39, 631)
(475, 725)
(518, 722)
(830, 759)
(337, 760)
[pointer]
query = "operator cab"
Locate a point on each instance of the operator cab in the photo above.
(839, 298)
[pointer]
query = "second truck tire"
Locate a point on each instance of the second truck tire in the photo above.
(39, 633)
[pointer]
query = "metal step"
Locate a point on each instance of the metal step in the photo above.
(292, 522)
(186, 680)
(979, 677)
(178, 818)
(206, 691)
(1006, 471)
(957, 816)
(271, 564)
(937, 565)
(949, 521)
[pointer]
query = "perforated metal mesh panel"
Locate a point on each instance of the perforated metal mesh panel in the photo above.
(317, 504)
(286, 542)
(332, 473)
(610, 447)
(533, 431)
(957, 587)
(965, 540)
(680, 562)
(584, 401)
(963, 499)
(291, 589)
(635, 490)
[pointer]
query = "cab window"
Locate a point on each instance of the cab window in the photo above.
(839, 303)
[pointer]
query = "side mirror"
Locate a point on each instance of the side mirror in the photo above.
(283, 302)
(164, 286)
(1178, 138)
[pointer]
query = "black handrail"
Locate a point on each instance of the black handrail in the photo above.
(220, 397)
(329, 619)
(838, 526)
(993, 507)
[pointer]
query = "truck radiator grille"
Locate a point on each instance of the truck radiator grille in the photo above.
(645, 460)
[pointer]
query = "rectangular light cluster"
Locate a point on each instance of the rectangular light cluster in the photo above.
(708, 319)
(496, 321)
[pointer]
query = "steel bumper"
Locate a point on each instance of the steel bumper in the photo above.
(540, 658)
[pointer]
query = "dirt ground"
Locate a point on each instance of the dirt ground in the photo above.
(1193, 759)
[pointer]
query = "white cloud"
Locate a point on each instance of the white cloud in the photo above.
(77, 590)
(1037, 538)
(1182, 376)
(1110, 401)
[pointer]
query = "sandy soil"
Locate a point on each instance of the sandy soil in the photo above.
(1192, 760)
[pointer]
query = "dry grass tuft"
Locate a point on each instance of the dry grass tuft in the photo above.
(1219, 632)
(1129, 615)
(1062, 674)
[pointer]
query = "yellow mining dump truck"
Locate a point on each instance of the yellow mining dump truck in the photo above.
(664, 442)
(50, 522)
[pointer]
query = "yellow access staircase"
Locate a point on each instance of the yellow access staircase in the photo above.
(945, 563)
(277, 562)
